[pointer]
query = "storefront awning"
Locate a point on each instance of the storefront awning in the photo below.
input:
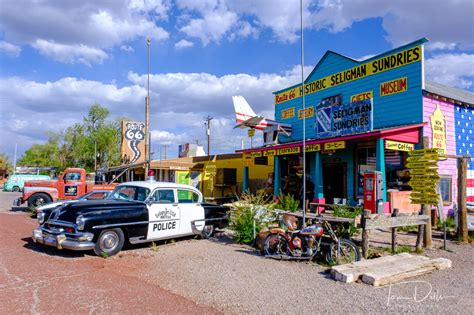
(409, 134)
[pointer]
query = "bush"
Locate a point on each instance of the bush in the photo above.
(248, 208)
(288, 202)
(346, 230)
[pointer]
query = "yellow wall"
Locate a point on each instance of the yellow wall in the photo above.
(258, 174)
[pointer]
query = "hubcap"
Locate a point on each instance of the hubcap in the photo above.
(109, 241)
(39, 202)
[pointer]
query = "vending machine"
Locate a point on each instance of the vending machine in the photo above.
(373, 191)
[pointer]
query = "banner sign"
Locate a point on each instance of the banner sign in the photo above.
(288, 113)
(334, 145)
(309, 112)
(344, 119)
(386, 63)
(269, 153)
(393, 87)
(286, 151)
(256, 154)
(313, 147)
(399, 146)
(362, 96)
(438, 128)
(133, 142)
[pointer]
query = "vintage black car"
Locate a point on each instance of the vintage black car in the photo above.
(136, 212)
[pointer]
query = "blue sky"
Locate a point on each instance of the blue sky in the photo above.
(59, 57)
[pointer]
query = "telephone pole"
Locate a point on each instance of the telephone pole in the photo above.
(207, 123)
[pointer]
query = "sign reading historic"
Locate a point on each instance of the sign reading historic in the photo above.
(133, 142)
(438, 129)
(344, 119)
(423, 165)
(382, 64)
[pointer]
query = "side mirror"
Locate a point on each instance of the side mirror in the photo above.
(149, 201)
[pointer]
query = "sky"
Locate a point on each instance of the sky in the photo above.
(57, 58)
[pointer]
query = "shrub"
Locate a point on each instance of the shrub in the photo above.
(288, 202)
(248, 208)
(346, 230)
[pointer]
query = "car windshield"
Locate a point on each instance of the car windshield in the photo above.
(133, 193)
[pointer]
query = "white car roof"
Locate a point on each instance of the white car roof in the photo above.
(154, 184)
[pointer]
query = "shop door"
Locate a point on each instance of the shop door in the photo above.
(334, 181)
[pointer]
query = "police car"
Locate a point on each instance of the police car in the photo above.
(136, 212)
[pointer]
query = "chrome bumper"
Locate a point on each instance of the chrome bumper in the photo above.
(60, 241)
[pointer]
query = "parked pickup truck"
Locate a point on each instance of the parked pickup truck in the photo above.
(135, 212)
(72, 184)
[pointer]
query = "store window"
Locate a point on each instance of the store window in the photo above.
(446, 188)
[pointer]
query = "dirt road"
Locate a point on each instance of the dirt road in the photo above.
(42, 280)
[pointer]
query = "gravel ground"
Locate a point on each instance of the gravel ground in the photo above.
(211, 275)
(235, 279)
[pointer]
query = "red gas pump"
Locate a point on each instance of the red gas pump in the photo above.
(373, 191)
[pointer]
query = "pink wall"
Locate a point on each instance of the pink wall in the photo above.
(447, 167)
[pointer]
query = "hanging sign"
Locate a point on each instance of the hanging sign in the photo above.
(334, 145)
(286, 151)
(399, 146)
(269, 153)
(313, 147)
(438, 129)
(256, 154)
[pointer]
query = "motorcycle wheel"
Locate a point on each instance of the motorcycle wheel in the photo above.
(275, 244)
(348, 252)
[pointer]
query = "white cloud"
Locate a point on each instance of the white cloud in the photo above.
(431, 46)
(9, 49)
(88, 25)
(127, 48)
(70, 53)
(183, 44)
(451, 69)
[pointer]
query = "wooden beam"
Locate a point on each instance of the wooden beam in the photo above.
(462, 200)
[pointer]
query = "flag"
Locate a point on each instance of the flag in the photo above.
(464, 124)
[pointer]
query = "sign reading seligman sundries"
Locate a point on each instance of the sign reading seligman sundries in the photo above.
(423, 165)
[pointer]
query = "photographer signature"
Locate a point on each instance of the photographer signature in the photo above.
(422, 292)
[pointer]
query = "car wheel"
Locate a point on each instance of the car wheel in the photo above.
(207, 231)
(109, 242)
(16, 189)
(38, 200)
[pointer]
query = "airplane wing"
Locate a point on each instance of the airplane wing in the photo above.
(250, 123)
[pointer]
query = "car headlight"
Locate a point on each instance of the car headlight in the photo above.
(41, 216)
(80, 222)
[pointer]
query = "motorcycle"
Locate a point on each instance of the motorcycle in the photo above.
(306, 243)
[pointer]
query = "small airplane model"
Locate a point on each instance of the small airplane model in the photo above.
(246, 118)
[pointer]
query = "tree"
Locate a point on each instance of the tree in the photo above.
(5, 162)
(76, 146)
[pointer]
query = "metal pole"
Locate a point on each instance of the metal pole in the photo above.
(304, 115)
(147, 114)
(14, 160)
(95, 156)
(208, 133)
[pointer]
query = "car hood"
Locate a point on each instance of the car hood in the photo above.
(69, 211)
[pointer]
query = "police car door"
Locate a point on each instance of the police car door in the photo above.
(192, 212)
(163, 215)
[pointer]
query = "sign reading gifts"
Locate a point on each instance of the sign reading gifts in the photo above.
(344, 119)
(386, 63)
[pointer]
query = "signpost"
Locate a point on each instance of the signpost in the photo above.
(423, 165)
